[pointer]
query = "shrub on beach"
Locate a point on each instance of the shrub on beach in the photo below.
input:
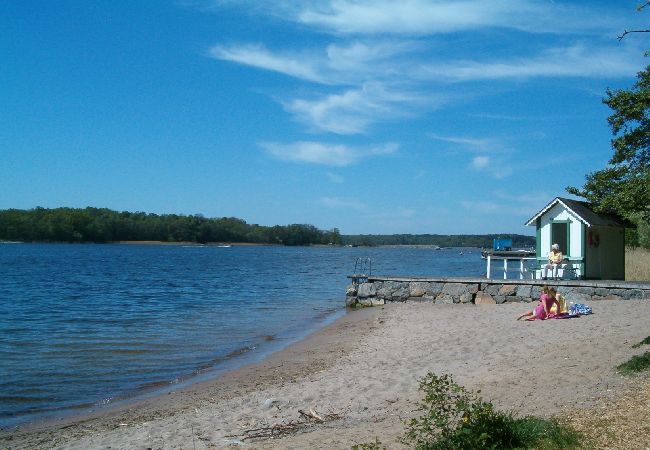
(455, 418)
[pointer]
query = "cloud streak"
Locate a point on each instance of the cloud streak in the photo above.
(257, 55)
(447, 16)
(335, 155)
(335, 202)
(354, 110)
(573, 61)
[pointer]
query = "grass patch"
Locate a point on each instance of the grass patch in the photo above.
(637, 264)
(635, 364)
(646, 341)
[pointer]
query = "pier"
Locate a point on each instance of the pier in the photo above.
(372, 290)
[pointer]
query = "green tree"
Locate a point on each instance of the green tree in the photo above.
(623, 187)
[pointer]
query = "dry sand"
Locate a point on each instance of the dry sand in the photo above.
(364, 369)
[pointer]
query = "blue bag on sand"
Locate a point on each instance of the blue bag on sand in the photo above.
(579, 309)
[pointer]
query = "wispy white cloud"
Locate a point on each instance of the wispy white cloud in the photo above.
(536, 198)
(325, 154)
(447, 16)
(335, 202)
(400, 64)
(520, 208)
(354, 110)
(574, 61)
(341, 64)
(293, 64)
(335, 178)
(384, 79)
(480, 206)
(471, 143)
(498, 169)
(480, 162)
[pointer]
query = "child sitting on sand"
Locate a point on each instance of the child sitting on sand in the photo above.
(542, 310)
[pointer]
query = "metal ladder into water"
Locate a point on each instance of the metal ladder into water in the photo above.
(362, 270)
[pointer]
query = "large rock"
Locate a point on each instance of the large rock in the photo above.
(458, 289)
(606, 297)
(508, 289)
(444, 299)
(523, 290)
(435, 289)
(493, 289)
(601, 292)
(351, 290)
(350, 302)
(384, 293)
(577, 297)
(633, 294)
(400, 295)
(387, 288)
(466, 297)
(483, 298)
(366, 290)
(585, 290)
(418, 288)
(534, 292)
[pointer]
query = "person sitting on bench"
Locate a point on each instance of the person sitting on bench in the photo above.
(555, 258)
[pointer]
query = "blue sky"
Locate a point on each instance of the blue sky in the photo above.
(370, 116)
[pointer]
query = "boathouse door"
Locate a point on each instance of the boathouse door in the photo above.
(560, 236)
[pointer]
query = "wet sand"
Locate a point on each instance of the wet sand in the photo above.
(364, 369)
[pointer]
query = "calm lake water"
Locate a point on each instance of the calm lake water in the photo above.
(83, 326)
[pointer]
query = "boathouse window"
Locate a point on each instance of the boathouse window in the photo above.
(560, 235)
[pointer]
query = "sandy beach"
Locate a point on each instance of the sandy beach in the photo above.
(361, 374)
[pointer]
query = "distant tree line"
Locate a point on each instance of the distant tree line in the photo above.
(104, 225)
(101, 225)
(441, 240)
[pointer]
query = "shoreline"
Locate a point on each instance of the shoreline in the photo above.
(364, 368)
(247, 358)
(289, 356)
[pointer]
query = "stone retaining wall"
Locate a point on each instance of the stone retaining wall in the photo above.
(377, 291)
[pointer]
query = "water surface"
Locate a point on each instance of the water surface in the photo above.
(83, 325)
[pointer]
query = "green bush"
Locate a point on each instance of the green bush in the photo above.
(454, 418)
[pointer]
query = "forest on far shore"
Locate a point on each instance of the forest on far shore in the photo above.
(102, 225)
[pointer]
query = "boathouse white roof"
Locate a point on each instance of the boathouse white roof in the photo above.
(582, 211)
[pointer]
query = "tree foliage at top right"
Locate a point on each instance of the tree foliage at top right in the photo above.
(623, 187)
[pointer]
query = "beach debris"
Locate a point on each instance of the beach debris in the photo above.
(308, 418)
(269, 402)
(311, 415)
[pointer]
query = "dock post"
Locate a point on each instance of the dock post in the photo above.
(505, 268)
(521, 269)
(488, 265)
